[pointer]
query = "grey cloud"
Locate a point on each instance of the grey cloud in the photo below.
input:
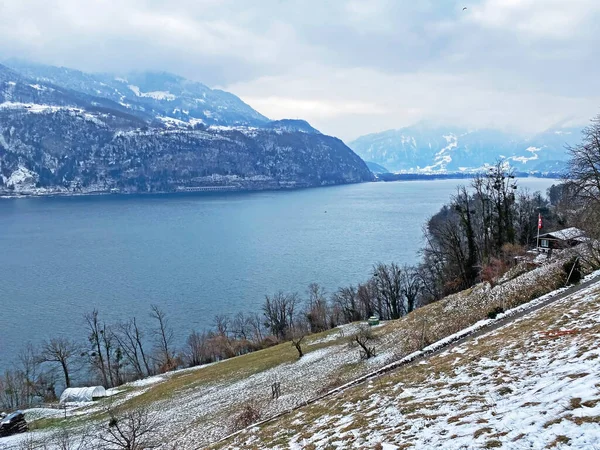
(348, 66)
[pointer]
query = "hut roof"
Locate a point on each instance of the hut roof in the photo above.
(565, 235)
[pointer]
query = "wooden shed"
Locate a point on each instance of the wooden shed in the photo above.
(569, 237)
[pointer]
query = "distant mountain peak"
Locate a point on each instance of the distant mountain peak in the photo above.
(427, 148)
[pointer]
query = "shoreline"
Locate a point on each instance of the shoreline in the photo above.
(213, 190)
(193, 191)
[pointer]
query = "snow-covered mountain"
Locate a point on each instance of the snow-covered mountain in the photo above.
(159, 94)
(423, 148)
(54, 139)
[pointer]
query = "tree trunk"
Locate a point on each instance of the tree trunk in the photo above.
(65, 369)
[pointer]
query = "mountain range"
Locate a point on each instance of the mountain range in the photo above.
(429, 149)
(66, 131)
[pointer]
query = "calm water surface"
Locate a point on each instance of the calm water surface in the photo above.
(196, 255)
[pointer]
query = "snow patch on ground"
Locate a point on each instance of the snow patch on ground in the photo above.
(147, 381)
(513, 387)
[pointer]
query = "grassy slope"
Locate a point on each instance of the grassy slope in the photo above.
(514, 388)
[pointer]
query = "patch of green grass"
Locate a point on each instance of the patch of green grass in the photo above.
(560, 439)
(574, 403)
(482, 431)
(504, 390)
(590, 403)
(233, 369)
(518, 437)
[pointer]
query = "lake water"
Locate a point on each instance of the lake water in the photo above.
(196, 255)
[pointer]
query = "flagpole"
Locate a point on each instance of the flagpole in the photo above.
(538, 235)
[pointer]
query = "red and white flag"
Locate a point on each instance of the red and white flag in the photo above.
(539, 221)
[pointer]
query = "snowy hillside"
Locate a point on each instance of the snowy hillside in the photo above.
(531, 384)
(423, 148)
(159, 94)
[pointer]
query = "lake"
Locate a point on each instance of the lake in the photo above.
(196, 255)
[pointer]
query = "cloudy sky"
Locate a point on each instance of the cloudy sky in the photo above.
(350, 67)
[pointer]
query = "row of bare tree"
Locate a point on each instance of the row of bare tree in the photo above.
(391, 292)
(111, 355)
(115, 353)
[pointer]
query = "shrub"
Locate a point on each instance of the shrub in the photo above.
(249, 414)
(495, 311)
(493, 271)
(362, 339)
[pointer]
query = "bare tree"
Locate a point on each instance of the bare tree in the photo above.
(164, 337)
(280, 311)
(431, 274)
(363, 339)
(411, 286)
(317, 308)
(13, 387)
(33, 379)
(366, 295)
(96, 330)
(240, 326)
(463, 205)
(297, 339)
(584, 186)
(30, 442)
(255, 324)
(129, 337)
(130, 430)
(61, 351)
(388, 284)
(222, 324)
(297, 333)
(65, 439)
(198, 349)
(584, 165)
(346, 300)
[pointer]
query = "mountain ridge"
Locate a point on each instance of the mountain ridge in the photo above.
(55, 140)
(152, 92)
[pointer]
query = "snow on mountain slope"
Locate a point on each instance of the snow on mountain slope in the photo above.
(154, 93)
(425, 148)
(531, 384)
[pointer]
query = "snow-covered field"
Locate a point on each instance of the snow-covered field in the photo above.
(516, 387)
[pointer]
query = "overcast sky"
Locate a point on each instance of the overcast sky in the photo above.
(348, 67)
